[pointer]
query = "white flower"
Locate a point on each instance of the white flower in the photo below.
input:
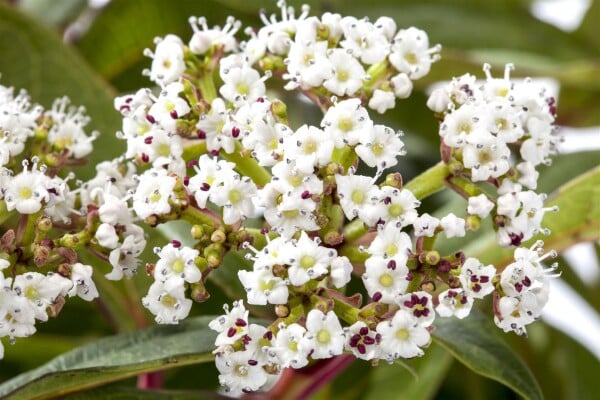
(107, 236)
(379, 147)
(241, 85)
(476, 279)
(480, 206)
(398, 206)
(40, 291)
(390, 242)
(426, 225)
(18, 315)
(357, 193)
(27, 190)
(466, 124)
(210, 174)
(364, 40)
(410, 53)
(402, 336)
(402, 86)
(83, 285)
(67, 131)
(346, 122)
(341, 271)
(177, 262)
(348, 73)
(166, 300)
(167, 60)
(263, 287)
(169, 106)
(439, 100)
(308, 147)
(308, 65)
(232, 325)
(453, 226)
(216, 127)
(419, 304)
(238, 373)
(384, 279)
(152, 195)
(488, 158)
(528, 176)
(235, 196)
(454, 302)
(308, 260)
(205, 38)
(324, 334)
(362, 342)
(382, 100)
(289, 346)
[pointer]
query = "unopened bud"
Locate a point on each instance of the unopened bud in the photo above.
(199, 292)
(428, 287)
(282, 311)
(394, 180)
(44, 224)
(279, 108)
(432, 257)
(473, 222)
(333, 238)
(218, 236)
(197, 232)
(201, 263)
(64, 270)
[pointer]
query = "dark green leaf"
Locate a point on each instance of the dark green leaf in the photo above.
(115, 358)
(34, 58)
(392, 382)
(588, 30)
(478, 344)
(125, 393)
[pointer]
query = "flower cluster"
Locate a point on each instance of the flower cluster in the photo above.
(500, 132)
(38, 268)
(213, 147)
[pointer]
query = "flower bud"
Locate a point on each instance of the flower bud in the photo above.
(199, 292)
(432, 257)
(438, 101)
(394, 180)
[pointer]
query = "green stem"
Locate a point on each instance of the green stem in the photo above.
(429, 182)
(207, 87)
(194, 151)
(353, 254)
(345, 311)
(354, 230)
(4, 213)
(248, 166)
(197, 217)
(29, 230)
(463, 186)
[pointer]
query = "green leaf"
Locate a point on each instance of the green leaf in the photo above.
(126, 393)
(115, 358)
(577, 221)
(392, 382)
(588, 30)
(477, 343)
(33, 57)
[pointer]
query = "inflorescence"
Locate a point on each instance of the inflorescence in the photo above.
(215, 148)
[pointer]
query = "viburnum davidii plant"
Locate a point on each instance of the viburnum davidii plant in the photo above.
(313, 207)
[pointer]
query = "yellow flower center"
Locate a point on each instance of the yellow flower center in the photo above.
(386, 280)
(402, 334)
(323, 336)
(358, 196)
(395, 210)
(178, 266)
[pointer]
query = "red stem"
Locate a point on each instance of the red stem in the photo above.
(327, 370)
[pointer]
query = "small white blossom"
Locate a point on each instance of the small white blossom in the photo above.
(324, 334)
(453, 226)
(480, 206)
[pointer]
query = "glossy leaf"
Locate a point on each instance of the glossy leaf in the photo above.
(115, 358)
(126, 393)
(392, 382)
(478, 344)
(34, 58)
